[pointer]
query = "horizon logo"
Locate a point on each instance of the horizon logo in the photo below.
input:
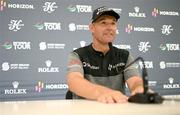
(157, 12)
(56, 86)
(129, 28)
(2, 5)
(39, 86)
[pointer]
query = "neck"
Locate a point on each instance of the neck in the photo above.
(104, 48)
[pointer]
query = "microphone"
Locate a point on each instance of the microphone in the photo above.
(145, 97)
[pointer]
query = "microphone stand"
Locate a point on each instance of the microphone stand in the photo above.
(145, 97)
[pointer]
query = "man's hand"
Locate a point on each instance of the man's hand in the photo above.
(137, 89)
(112, 96)
(93, 91)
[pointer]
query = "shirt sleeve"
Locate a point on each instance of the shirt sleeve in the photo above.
(74, 63)
(131, 70)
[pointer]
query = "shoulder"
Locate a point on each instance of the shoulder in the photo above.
(121, 52)
(82, 52)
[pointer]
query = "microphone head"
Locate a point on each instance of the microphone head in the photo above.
(153, 98)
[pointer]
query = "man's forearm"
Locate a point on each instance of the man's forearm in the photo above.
(135, 85)
(88, 90)
(84, 88)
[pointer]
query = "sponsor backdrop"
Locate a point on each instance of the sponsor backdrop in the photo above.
(36, 37)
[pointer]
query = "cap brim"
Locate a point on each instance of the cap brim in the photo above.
(110, 13)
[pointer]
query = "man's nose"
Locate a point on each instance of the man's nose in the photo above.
(109, 26)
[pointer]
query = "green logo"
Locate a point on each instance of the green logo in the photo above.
(71, 8)
(7, 45)
(162, 47)
(39, 26)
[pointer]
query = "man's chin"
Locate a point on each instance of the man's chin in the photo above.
(110, 40)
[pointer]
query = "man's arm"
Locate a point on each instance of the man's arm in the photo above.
(135, 84)
(88, 90)
(84, 88)
(133, 78)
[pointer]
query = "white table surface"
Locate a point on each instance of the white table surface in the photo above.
(87, 107)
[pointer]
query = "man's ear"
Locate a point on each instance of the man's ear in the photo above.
(91, 28)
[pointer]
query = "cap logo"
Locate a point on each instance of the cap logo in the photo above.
(104, 10)
(99, 10)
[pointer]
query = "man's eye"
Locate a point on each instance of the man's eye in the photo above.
(103, 22)
(113, 23)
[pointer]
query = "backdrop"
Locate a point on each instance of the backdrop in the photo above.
(36, 37)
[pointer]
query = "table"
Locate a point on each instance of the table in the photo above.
(87, 107)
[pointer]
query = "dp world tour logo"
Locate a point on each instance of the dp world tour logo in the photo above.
(71, 8)
(79, 8)
(7, 45)
(2, 5)
(39, 26)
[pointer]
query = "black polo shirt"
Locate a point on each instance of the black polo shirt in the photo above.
(106, 70)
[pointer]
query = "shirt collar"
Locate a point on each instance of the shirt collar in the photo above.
(93, 51)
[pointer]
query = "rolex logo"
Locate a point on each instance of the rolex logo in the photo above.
(15, 84)
(171, 80)
(136, 9)
(48, 63)
(82, 43)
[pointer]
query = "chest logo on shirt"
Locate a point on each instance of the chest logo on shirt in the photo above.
(85, 64)
(110, 67)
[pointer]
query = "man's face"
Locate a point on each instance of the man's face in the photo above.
(104, 29)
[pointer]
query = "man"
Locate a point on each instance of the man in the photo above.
(94, 71)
